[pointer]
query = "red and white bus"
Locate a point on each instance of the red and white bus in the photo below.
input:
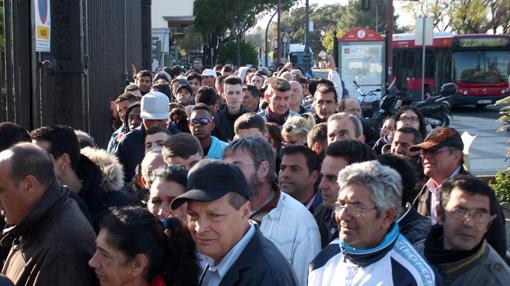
(479, 65)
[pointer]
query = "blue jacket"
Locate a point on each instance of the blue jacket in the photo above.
(216, 148)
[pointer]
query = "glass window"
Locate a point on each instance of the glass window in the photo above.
(481, 66)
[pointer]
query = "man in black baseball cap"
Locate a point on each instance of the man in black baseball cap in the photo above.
(218, 209)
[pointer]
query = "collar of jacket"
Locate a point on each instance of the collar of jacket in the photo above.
(90, 175)
(244, 261)
(52, 197)
(365, 257)
(408, 217)
(279, 119)
(436, 254)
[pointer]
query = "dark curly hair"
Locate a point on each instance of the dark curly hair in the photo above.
(168, 245)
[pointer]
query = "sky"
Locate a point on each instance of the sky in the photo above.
(404, 19)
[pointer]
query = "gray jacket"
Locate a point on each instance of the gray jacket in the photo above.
(488, 270)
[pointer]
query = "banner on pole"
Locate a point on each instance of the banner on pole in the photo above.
(42, 14)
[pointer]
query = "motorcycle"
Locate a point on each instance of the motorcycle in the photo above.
(435, 109)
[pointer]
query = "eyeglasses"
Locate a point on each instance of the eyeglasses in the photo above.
(408, 118)
(352, 210)
(478, 217)
(200, 121)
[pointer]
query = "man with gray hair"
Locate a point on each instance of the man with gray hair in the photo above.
(369, 243)
(282, 219)
(345, 126)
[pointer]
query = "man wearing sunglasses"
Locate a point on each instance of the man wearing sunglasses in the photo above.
(442, 158)
(201, 125)
(370, 250)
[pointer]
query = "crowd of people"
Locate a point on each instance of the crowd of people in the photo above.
(224, 176)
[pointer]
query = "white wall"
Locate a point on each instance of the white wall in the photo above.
(163, 8)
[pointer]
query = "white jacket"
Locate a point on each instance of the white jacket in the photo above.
(393, 262)
(292, 228)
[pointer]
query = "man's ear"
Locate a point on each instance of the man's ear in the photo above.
(317, 147)
(493, 217)
(315, 176)
(29, 185)
(361, 138)
(389, 217)
(263, 170)
(63, 161)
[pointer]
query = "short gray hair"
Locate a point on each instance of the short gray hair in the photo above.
(258, 149)
(358, 126)
(384, 182)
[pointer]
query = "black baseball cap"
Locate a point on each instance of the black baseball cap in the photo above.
(210, 180)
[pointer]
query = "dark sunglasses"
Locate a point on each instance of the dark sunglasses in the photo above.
(201, 121)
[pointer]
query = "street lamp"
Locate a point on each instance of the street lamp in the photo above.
(266, 43)
(238, 34)
(307, 55)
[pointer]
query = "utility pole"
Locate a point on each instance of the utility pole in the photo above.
(278, 37)
(307, 55)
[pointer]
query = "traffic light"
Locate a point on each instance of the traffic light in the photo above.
(365, 5)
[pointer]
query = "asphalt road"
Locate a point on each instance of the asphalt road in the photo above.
(488, 152)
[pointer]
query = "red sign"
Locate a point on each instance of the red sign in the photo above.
(357, 35)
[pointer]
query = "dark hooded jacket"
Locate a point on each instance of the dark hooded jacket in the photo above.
(224, 123)
(131, 149)
(52, 244)
(95, 196)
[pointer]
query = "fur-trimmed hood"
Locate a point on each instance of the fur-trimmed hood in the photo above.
(111, 169)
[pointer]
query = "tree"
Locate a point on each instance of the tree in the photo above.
(227, 54)
(465, 16)
(215, 20)
(469, 16)
(438, 10)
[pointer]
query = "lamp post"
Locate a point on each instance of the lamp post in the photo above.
(307, 55)
(266, 43)
(238, 34)
(278, 37)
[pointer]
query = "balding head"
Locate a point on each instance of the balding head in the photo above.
(151, 161)
(26, 171)
(29, 159)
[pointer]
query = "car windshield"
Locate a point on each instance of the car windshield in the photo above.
(481, 66)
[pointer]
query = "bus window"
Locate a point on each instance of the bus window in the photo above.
(481, 66)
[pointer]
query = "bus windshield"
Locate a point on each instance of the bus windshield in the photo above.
(481, 66)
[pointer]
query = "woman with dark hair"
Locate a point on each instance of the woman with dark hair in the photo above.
(409, 116)
(133, 248)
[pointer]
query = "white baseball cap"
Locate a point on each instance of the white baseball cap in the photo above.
(154, 106)
(209, 72)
